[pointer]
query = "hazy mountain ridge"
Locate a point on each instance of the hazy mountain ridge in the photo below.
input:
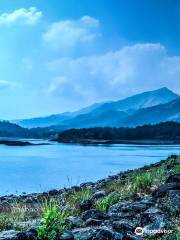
(156, 114)
(113, 113)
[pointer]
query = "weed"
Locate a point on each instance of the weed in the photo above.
(53, 223)
(104, 203)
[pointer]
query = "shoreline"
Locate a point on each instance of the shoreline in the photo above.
(106, 142)
(110, 208)
(19, 143)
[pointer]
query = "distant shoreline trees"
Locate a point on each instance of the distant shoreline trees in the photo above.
(161, 131)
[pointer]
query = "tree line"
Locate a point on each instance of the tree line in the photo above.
(161, 131)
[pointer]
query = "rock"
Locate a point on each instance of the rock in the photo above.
(104, 234)
(67, 235)
(122, 226)
(119, 210)
(74, 221)
(148, 200)
(159, 223)
(76, 188)
(118, 236)
(93, 214)
(14, 235)
(137, 206)
(85, 205)
(85, 233)
(149, 215)
(115, 208)
(53, 192)
(87, 184)
(164, 188)
(173, 202)
(130, 236)
(9, 235)
(98, 195)
(93, 222)
(31, 224)
(29, 235)
(32, 234)
(29, 200)
(173, 179)
(132, 196)
(152, 210)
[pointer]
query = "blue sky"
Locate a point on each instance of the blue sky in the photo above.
(59, 55)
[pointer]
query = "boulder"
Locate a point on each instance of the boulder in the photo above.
(85, 233)
(119, 210)
(93, 222)
(130, 236)
(53, 192)
(123, 226)
(173, 179)
(93, 214)
(104, 234)
(98, 195)
(85, 205)
(173, 202)
(137, 206)
(74, 221)
(159, 223)
(67, 235)
(9, 235)
(164, 188)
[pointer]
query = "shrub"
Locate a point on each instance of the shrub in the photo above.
(104, 203)
(53, 223)
(142, 181)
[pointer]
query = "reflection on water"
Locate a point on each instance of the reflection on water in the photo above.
(40, 168)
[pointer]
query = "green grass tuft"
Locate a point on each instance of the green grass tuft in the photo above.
(104, 203)
(54, 221)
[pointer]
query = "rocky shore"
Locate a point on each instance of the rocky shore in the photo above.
(136, 204)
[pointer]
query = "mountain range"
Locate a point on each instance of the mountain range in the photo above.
(144, 108)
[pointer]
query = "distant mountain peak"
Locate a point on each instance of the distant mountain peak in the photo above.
(165, 90)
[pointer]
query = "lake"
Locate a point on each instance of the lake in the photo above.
(41, 168)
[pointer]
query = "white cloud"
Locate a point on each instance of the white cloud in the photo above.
(25, 16)
(6, 84)
(57, 83)
(67, 34)
(117, 74)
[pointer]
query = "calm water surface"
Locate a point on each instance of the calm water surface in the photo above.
(40, 168)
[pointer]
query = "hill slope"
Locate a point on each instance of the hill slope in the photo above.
(103, 114)
(160, 113)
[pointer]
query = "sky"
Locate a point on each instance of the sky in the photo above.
(62, 55)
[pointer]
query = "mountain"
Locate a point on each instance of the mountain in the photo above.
(103, 114)
(102, 119)
(8, 129)
(55, 119)
(112, 113)
(43, 121)
(138, 101)
(156, 114)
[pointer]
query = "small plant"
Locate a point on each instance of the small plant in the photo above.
(53, 223)
(142, 181)
(104, 203)
(176, 169)
(76, 197)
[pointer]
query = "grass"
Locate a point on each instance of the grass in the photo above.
(54, 221)
(144, 181)
(104, 203)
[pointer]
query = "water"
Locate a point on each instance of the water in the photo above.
(41, 168)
